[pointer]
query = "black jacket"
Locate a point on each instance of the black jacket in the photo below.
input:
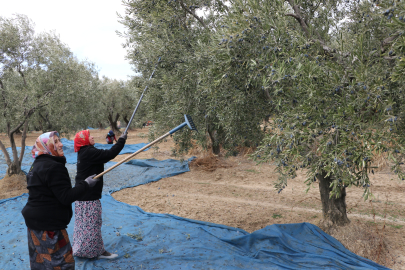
(90, 160)
(51, 195)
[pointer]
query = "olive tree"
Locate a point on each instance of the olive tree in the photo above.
(323, 68)
(173, 31)
(136, 88)
(315, 73)
(38, 76)
(393, 48)
(116, 99)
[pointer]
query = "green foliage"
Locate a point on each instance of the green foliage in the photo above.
(312, 84)
(41, 83)
(41, 78)
(168, 29)
(334, 106)
(394, 14)
(116, 99)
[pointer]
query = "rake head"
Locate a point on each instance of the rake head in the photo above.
(190, 122)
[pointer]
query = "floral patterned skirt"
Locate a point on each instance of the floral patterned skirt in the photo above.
(87, 239)
(50, 250)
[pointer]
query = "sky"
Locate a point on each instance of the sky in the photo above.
(87, 27)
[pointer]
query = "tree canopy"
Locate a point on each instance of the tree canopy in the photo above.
(41, 83)
(311, 85)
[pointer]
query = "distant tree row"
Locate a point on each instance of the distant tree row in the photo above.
(43, 86)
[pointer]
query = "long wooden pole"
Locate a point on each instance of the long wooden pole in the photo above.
(132, 155)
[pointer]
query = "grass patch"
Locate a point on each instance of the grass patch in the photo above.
(252, 171)
(142, 135)
(277, 216)
(396, 226)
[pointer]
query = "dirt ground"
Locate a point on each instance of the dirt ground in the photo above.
(239, 193)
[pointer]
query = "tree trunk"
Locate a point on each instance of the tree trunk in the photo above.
(333, 209)
(113, 122)
(14, 165)
(47, 125)
(126, 120)
(14, 168)
(100, 125)
(23, 138)
(214, 141)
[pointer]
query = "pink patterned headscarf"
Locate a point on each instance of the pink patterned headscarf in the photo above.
(45, 144)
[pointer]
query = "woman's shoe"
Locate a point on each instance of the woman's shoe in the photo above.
(107, 255)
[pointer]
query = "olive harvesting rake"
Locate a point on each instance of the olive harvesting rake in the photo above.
(140, 99)
(188, 122)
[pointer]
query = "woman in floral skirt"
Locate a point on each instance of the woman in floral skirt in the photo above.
(87, 239)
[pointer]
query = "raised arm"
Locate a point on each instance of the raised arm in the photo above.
(103, 156)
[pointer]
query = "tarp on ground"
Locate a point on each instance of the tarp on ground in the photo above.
(68, 149)
(157, 241)
(25, 165)
(136, 172)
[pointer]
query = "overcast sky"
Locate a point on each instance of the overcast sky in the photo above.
(86, 26)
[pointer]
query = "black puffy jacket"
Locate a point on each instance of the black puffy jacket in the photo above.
(51, 195)
(90, 160)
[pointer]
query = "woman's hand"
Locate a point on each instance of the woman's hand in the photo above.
(124, 136)
(91, 181)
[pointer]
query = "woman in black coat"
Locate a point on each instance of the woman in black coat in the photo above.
(49, 207)
(87, 239)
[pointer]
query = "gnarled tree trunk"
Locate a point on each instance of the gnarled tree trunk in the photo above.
(100, 125)
(14, 165)
(126, 120)
(113, 122)
(216, 149)
(333, 208)
(45, 123)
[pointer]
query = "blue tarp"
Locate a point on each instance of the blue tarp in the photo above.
(159, 241)
(25, 165)
(156, 241)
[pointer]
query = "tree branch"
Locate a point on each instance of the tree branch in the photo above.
(297, 15)
(388, 41)
(117, 116)
(23, 137)
(267, 94)
(192, 12)
(4, 98)
(22, 75)
(317, 6)
(6, 155)
(293, 15)
(26, 116)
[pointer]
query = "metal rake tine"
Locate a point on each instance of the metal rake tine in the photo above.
(190, 123)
